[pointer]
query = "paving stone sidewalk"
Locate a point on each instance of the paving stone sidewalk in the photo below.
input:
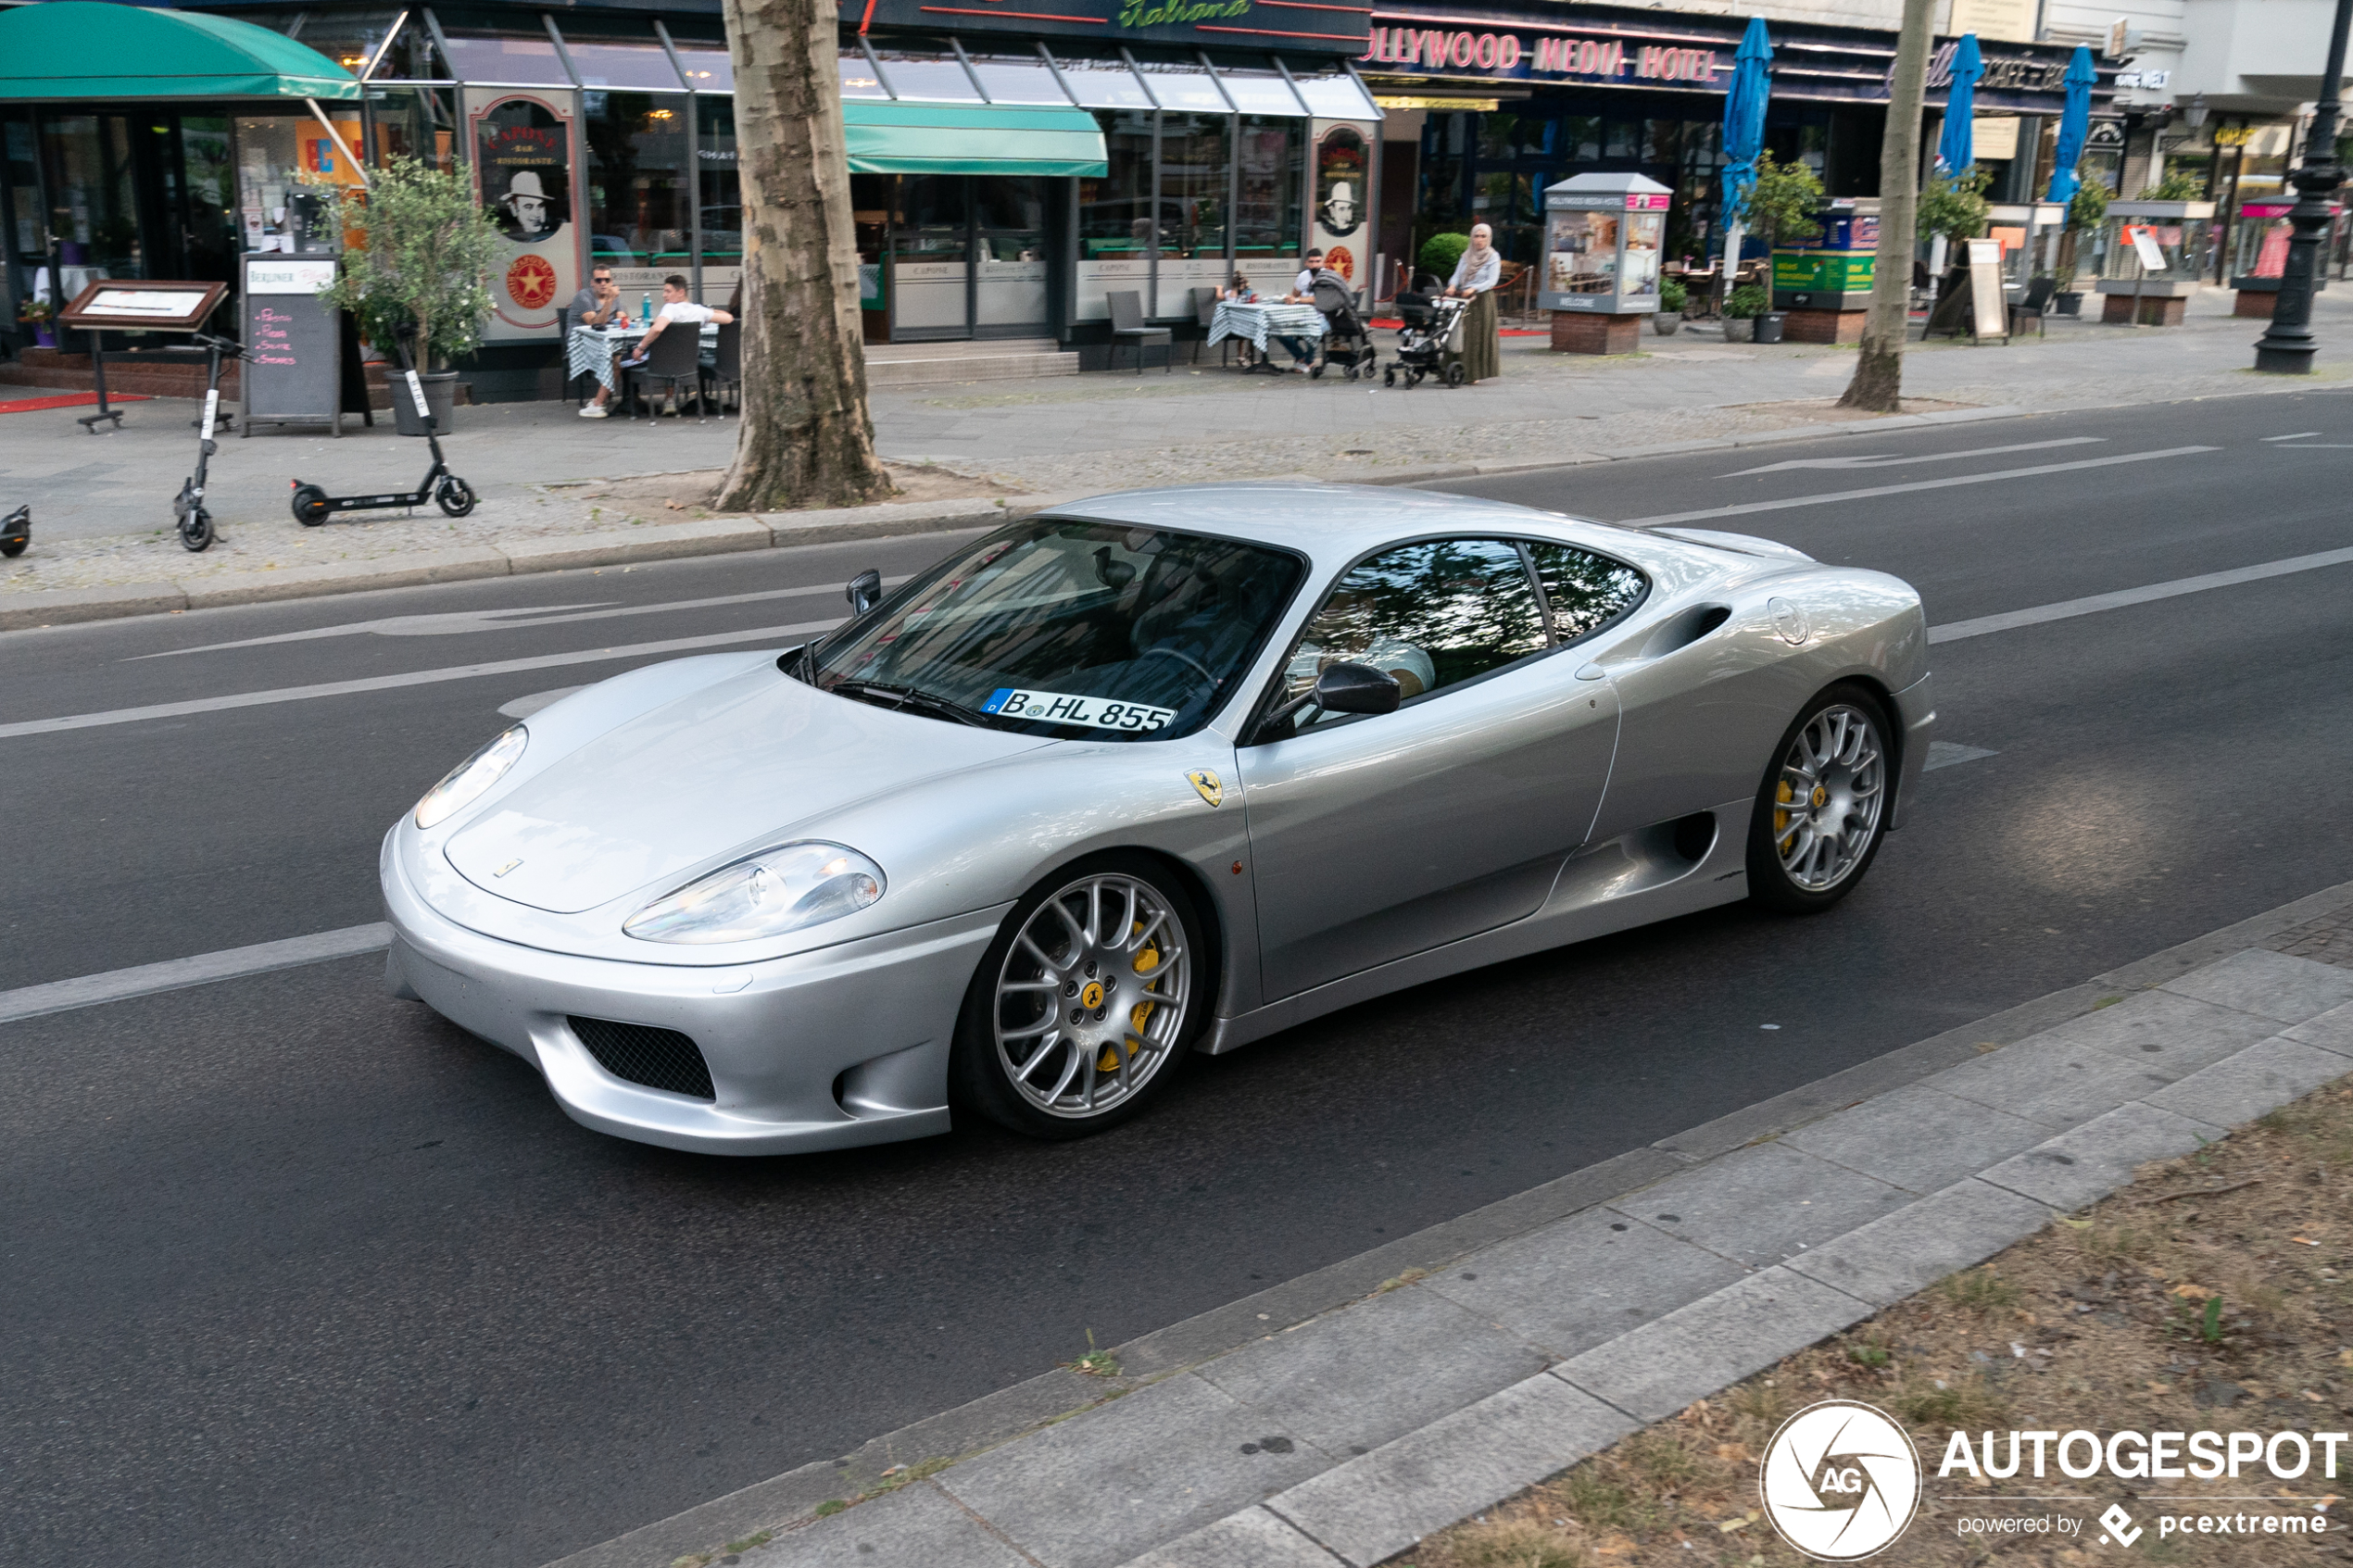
(100, 504)
(1295, 1430)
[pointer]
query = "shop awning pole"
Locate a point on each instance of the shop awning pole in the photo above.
(341, 145)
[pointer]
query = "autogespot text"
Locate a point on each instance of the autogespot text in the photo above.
(2150, 1456)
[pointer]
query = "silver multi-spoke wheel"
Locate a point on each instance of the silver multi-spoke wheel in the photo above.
(1828, 799)
(1091, 997)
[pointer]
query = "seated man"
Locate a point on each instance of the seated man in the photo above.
(675, 306)
(599, 306)
(1302, 292)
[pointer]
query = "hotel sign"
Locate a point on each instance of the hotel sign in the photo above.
(1505, 54)
(1326, 27)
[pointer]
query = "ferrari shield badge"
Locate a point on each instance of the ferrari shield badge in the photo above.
(1205, 784)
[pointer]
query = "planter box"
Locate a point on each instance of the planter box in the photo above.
(1667, 324)
(1596, 334)
(1825, 326)
(441, 397)
(1769, 327)
(2147, 310)
(1739, 329)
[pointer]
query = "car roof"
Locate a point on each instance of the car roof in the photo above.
(1324, 521)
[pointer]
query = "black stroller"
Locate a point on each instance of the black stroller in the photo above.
(1346, 342)
(1430, 341)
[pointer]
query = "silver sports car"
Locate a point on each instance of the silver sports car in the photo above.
(1147, 774)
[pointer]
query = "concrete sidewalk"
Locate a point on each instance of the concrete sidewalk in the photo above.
(102, 545)
(1340, 1419)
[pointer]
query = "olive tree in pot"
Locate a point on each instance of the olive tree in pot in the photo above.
(1672, 297)
(1779, 206)
(1744, 310)
(417, 273)
(2086, 210)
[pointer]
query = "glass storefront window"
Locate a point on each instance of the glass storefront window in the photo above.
(1182, 86)
(722, 210)
(207, 183)
(94, 210)
(637, 200)
(525, 61)
(938, 79)
(1115, 211)
(1102, 84)
(28, 235)
(621, 65)
(1580, 138)
(414, 122)
(1195, 160)
(1270, 218)
(1662, 141)
(708, 70)
(1018, 80)
(1335, 95)
(932, 223)
(1258, 91)
(858, 77)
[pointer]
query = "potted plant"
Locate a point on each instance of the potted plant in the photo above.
(1780, 210)
(2086, 210)
(1744, 310)
(1672, 297)
(416, 271)
(1441, 253)
(37, 314)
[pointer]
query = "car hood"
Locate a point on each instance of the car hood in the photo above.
(727, 767)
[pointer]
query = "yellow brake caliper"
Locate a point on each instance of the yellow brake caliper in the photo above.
(1141, 1014)
(1782, 831)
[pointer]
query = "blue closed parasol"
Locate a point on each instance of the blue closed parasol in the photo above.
(2075, 127)
(1955, 149)
(1745, 118)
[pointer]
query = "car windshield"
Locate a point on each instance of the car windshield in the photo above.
(1070, 629)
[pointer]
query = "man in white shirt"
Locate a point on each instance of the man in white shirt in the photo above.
(675, 306)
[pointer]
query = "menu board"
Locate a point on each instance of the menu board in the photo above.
(141, 305)
(293, 348)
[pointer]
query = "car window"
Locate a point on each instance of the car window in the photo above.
(1586, 591)
(1056, 627)
(1431, 615)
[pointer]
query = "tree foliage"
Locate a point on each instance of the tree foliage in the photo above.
(1954, 205)
(423, 252)
(2088, 208)
(1440, 251)
(2178, 186)
(1782, 202)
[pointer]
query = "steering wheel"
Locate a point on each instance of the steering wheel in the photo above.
(1180, 658)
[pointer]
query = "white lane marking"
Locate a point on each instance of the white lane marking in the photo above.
(2320, 446)
(1786, 502)
(456, 622)
(392, 683)
(1953, 631)
(524, 707)
(173, 974)
(1892, 459)
(2297, 436)
(1947, 754)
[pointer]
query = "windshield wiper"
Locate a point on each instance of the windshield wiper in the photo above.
(907, 696)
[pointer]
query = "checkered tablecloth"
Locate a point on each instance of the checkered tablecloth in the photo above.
(1256, 323)
(591, 350)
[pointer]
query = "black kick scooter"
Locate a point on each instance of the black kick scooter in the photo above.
(312, 505)
(195, 523)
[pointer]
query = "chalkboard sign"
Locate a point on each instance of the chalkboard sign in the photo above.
(294, 343)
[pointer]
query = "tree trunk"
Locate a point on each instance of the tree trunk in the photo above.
(805, 438)
(1879, 368)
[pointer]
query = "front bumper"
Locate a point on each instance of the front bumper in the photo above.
(843, 1046)
(1916, 710)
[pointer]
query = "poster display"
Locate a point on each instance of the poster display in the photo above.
(1341, 223)
(524, 155)
(1989, 311)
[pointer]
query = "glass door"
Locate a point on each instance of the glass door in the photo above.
(1009, 242)
(931, 266)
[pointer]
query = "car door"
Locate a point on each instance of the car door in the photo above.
(1377, 837)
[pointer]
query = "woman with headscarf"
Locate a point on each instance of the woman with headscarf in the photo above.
(1475, 278)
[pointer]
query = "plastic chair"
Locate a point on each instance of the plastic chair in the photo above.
(1205, 308)
(677, 356)
(726, 365)
(1128, 326)
(2036, 306)
(563, 336)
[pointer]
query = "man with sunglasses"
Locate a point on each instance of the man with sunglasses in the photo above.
(599, 304)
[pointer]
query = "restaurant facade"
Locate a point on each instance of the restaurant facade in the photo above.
(1009, 170)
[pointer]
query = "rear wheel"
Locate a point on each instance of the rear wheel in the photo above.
(1085, 1004)
(309, 505)
(1822, 808)
(1456, 375)
(1389, 377)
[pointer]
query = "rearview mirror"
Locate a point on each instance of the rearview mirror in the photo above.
(1356, 688)
(864, 591)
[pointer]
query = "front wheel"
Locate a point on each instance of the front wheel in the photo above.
(1085, 1004)
(1456, 375)
(454, 495)
(196, 528)
(1389, 377)
(310, 505)
(1822, 808)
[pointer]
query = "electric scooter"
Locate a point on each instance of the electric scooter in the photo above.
(16, 531)
(313, 506)
(195, 523)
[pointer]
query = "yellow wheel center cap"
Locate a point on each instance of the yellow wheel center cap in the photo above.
(1822, 796)
(1092, 997)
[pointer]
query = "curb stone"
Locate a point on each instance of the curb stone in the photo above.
(1725, 1320)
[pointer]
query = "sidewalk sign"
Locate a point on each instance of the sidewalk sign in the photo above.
(294, 343)
(1989, 310)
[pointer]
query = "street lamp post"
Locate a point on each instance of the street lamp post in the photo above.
(2288, 347)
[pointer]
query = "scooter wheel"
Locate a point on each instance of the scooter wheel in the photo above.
(195, 530)
(454, 495)
(309, 505)
(14, 547)
(1389, 377)
(1456, 375)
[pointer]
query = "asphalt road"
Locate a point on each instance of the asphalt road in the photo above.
(296, 1273)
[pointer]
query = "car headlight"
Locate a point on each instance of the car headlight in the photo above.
(768, 893)
(465, 783)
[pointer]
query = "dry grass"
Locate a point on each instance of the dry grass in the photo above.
(2173, 1305)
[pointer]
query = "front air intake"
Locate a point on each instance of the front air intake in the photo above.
(659, 1059)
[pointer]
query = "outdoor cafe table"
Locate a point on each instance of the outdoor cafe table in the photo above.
(591, 350)
(1256, 323)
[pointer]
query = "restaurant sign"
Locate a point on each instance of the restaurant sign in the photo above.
(1326, 27)
(1509, 53)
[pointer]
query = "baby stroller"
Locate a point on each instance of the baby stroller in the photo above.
(1346, 343)
(1430, 344)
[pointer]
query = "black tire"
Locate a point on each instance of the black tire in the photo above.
(454, 495)
(1389, 376)
(1456, 375)
(14, 547)
(195, 530)
(979, 1078)
(310, 505)
(1772, 824)
(1316, 372)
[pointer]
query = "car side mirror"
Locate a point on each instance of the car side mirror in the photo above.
(864, 591)
(1357, 688)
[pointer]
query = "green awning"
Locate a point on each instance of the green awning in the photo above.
(81, 49)
(897, 138)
